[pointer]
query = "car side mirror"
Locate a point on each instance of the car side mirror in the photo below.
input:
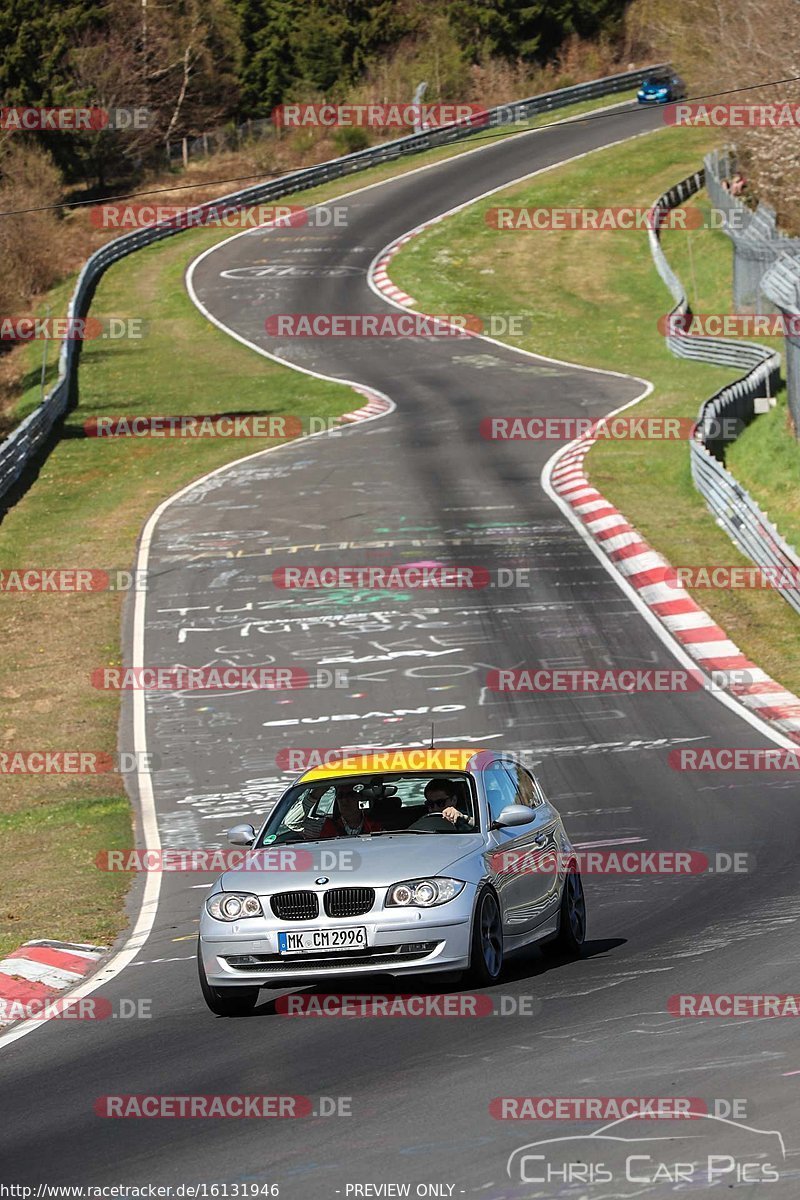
(512, 815)
(242, 835)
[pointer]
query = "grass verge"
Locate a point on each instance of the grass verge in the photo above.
(57, 298)
(766, 460)
(86, 509)
(595, 298)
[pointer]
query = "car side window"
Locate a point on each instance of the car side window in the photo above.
(500, 789)
(524, 787)
(538, 790)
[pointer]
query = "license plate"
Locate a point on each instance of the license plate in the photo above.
(302, 941)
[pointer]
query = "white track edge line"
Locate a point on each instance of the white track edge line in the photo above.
(652, 620)
(149, 904)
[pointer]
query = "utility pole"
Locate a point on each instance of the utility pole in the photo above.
(418, 94)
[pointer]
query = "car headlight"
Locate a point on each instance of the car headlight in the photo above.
(423, 893)
(229, 906)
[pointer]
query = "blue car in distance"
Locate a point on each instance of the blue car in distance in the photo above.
(660, 88)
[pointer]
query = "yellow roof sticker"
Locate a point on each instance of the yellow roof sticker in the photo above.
(382, 761)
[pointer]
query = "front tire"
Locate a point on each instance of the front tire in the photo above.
(486, 952)
(225, 1002)
(571, 935)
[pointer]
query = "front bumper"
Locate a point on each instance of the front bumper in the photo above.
(399, 942)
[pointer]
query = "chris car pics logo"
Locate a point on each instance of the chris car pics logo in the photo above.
(629, 1157)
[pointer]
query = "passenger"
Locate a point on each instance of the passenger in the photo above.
(350, 819)
(312, 825)
(440, 798)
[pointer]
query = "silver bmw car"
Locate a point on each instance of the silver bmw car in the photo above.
(393, 863)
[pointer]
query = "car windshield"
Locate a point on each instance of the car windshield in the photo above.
(370, 805)
(658, 80)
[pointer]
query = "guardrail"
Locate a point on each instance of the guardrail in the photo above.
(757, 241)
(31, 436)
(734, 508)
(781, 285)
(766, 266)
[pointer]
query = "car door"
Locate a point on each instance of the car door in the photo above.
(527, 891)
(549, 830)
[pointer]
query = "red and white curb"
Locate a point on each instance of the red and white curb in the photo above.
(689, 624)
(643, 568)
(39, 971)
(376, 405)
(380, 271)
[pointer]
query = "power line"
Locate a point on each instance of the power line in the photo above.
(502, 132)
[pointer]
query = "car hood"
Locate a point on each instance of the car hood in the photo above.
(373, 862)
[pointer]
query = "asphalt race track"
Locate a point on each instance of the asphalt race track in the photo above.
(420, 484)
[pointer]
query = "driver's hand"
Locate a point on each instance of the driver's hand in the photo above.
(450, 814)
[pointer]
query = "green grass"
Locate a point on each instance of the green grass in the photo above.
(766, 460)
(86, 508)
(70, 899)
(30, 394)
(594, 298)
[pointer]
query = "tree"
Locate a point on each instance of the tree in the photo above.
(265, 65)
(730, 47)
(543, 26)
(318, 50)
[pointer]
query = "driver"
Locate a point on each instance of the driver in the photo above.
(440, 798)
(350, 819)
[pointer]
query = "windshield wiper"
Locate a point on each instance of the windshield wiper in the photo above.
(382, 832)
